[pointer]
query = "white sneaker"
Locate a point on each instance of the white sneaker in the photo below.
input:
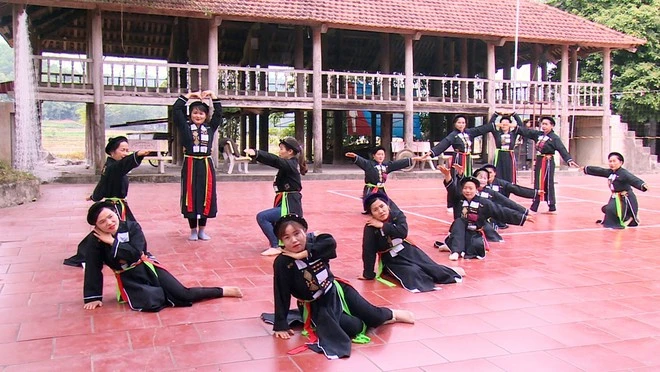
(453, 256)
(193, 236)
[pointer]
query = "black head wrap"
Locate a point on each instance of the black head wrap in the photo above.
(550, 119)
(490, 166)
(291, 144)
(200, 105)
(371, 198)
(113, 144)
(376, 149)
(281, 223)
(95, 210)
(458, 117)
(476, 172)
(617, 154)
(470, 179)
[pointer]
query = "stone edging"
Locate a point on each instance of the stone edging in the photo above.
(17, 193)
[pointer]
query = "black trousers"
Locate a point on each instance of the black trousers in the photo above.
(180, 293)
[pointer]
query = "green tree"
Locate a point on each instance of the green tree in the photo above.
(6, 61)
(635, 76)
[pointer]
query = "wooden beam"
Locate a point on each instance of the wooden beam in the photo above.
(565, 61)
(607, 91)
(98, 124)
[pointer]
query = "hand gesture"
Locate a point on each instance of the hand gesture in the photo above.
(89, 198)
(530, 219)
(194, 95)
(143, 153)
(105, 237)
(444, 170)
(351, 155)
(426, 156)
(296, 255)
(250, 152)
(374, 223)
(459, 168)
(572, 163)
(208, 93)
(92, 305)
(285, 335)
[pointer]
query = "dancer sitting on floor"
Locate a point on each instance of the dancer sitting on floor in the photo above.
(113, 184)
(621, 208)
(288, 186)
(466, 236)
(141, 281)
(335, 313)
(385, 236)
(377, 169)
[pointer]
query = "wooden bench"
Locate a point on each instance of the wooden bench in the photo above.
(231, 155)
(137, 142)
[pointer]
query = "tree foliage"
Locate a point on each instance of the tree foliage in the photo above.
(635, 75)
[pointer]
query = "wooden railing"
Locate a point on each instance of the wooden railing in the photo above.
(62, 74)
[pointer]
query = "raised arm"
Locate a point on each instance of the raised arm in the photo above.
(506, 202)
(596, 171)
(216, 119)
(271, 160)
(634, 181)
(559, 145)
(361, 162)
(397, 226)
(179, 112)
(443, 144)
(522, 191)
(321, 247)
(399, 164)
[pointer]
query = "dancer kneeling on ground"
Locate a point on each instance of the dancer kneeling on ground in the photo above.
(376, 170)
(385, 235)
(621, 208)
(466, 236)
(141, 281)
(336, 310)
(288, 186)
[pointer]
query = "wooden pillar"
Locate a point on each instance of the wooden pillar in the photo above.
(607, 90)
(324, 130)
(242, 132)
(564, 132)
(436, 120)
(299, 64)
(213, 71)
(338, 120)
(507, 87)
(386, 118)
(98, 108)
(464, 69)
(263, 129)
(317, 105)
(490, 74)
(534, 73)
(309, 136)
(252, 139)
(408, 112)
(574, 64)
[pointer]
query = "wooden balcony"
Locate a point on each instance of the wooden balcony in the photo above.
(159, 83)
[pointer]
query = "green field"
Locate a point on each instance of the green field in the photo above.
(66, 138)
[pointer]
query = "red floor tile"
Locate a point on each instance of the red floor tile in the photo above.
(535, 303)
(595, 358)
(455, 348)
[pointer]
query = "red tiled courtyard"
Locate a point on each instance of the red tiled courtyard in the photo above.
(563, 294)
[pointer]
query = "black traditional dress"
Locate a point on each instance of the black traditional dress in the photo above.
(621, 209)
(287, 182)
(413, 268)
(334, 312)
(113, 187)
(198, 187)
(492, 225)
(466, 233)
(141, 281)
(375, 174)
(505, 157)
(544, 168)
(507, 188)
(462, 145)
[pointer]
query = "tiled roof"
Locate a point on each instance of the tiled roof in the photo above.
(473, 18)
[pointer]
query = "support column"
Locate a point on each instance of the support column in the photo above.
(242, 132)
(408, 112)
(213, 71)
(98, 109)
(298, 64)
(564, 130)
(490, 74)
(533, 73)
(263, 129)
(464, 69)
(436, 120)
(338, 119)
(507, 87)
(252, 139)
(574, 64)
(317, 105)
(385, 118)
(607, 91)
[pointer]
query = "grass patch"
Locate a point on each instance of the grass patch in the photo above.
(10, 175)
